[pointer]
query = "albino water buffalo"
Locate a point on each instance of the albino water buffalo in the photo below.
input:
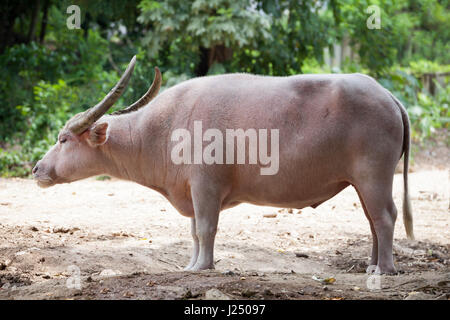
(331, 131)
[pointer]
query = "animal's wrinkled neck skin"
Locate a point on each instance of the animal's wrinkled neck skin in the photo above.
(133, 150)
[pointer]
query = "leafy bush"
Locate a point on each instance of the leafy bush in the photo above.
(430, 113)
(427, 112)
(52, 105)
(22, 67)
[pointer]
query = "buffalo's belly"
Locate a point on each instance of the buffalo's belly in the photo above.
(300, 196)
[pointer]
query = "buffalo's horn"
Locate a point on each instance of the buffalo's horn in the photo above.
(147, 97)
(84, 120)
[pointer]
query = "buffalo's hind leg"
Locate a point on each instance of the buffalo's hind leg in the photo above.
(380, 208)
(374, 254)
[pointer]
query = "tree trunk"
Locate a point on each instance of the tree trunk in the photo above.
(209, 56)
(203, 66)
(10, 11)
(44, 21)
(33, 23)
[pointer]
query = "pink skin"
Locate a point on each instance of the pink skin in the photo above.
(73, 157)
(335, 131)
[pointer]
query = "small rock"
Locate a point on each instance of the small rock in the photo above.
(414, 295)
(215, 294)
(248, 293)
(187, 295)
(109, 273)
(301, 255)
(270, 215)
(128, 294)
(61, 230)
(105, 291)
(267, 292)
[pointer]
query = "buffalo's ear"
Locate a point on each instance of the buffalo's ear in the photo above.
(97, 134)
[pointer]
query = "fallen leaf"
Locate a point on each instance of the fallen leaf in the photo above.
(329, 280)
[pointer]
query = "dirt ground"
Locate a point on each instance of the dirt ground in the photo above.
(113, 239)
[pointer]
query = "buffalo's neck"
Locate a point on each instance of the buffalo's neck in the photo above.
(134, 150)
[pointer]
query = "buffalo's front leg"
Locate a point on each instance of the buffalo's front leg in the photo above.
(195, 246)
(206, 208)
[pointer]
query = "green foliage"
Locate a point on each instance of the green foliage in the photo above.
(427, 36)
(299, 30)
(201, 23)
(430, 113)
(22, 67)
(44, 118)
(427, 112)
(375, 46)
(103, 178)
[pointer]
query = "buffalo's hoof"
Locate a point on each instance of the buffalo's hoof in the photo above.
(390, 271)
(371, 269)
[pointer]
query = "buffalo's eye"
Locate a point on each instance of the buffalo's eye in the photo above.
(62, 140)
